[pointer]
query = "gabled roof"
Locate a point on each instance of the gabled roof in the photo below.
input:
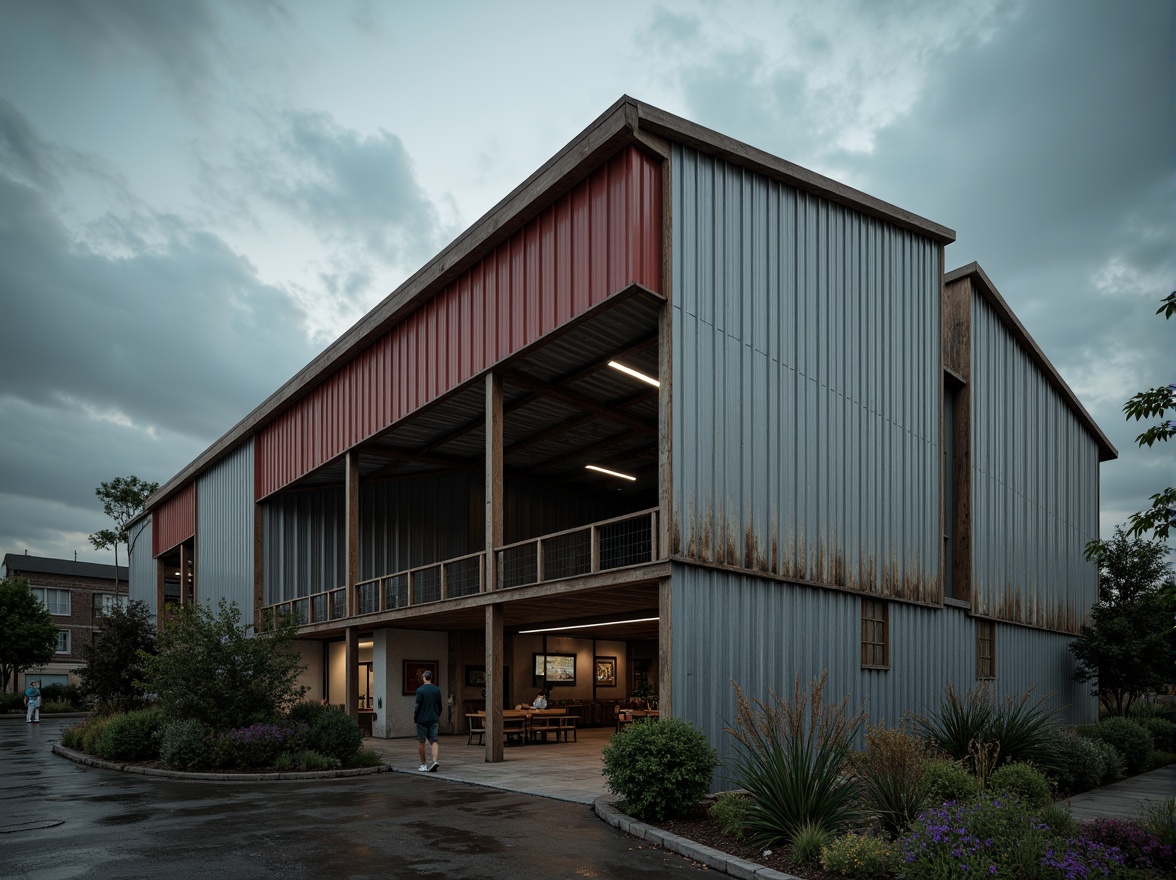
(984, 286)
(626, 122)
(22, 563)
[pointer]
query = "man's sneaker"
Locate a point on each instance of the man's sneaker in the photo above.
(433, 769)
(423, 768)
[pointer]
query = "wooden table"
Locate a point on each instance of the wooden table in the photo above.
(526, 725)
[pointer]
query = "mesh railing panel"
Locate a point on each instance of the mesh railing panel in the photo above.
(367, 597)
(319, 607)
(338, 604)
(516, 565)
(395, 591)
(302, 611)
(567, 555)
(463, 577)
(627, 542)
(426, 585)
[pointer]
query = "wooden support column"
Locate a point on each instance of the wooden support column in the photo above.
(494, 483)
(351, 699)
(351, 529)
(495, 652)
(258, 561)
(665, 647)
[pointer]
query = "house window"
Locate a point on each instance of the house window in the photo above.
(55, 601)
(985, 640)
(103, 602)
(62, 641)
(875, 634)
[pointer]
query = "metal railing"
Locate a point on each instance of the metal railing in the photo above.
(613, 543)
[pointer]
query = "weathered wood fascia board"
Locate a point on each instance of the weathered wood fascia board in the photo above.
(676, 129)
(984, 286)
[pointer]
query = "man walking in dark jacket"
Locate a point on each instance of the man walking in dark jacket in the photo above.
(426, 712)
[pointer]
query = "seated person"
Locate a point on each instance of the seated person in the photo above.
(540, 701)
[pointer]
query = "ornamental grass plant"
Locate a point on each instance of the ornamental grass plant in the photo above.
(891, 772)
(792, 758)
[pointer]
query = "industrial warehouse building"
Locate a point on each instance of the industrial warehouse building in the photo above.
(675, 413)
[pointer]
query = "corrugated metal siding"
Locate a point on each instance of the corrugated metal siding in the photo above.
(602, 236)
(807, 386)
(1035, 488)
(761, 633)
(305, 549)
(224, 551)
(174, 520)
(142, 578)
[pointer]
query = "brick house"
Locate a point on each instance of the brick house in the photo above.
(75, 594)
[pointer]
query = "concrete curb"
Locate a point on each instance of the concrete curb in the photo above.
(91, 761)
(732, 866)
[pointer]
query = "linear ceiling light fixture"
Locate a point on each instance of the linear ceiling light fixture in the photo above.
(552, 629)
(592, 467)
(635, 374)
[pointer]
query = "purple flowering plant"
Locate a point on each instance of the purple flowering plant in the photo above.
(258, 746)
(1140, 849)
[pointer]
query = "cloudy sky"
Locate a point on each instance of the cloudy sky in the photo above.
(197, 196)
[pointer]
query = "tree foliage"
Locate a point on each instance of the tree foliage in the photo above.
(122, 500)
(115, 657)
(1126, 649)
(209, 668)
(28, 636)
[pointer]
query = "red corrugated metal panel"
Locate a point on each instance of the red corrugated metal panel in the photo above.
(174, 521)
(602, 236)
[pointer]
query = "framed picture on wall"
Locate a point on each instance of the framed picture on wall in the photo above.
(559, 668)
(414, 674)
(606, 672)
(475, 676)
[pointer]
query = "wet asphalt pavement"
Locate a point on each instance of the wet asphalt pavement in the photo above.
(60, 820)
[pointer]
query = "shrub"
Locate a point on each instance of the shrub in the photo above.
(56, 707)
(730, 811)
(1160, 730)
(1019, 729)
(305, 760)
(308, 711)
(1083, 765)
(74, 736)
(996, 837)
(1022, 780)
(1111, 761)
(660, 768)
(12, 702)
(1130, 739)
(255, 747)
(133, 736)
(860, 856)
(791, 759)
(890, 771)
(365, 758)
(1057, 816)
(1140, 848)
(809, 842)
(948, 781)
(69, 694)
(183, 744)
(91, 734)
(335, 734)
(1159, 819)
(115, 656)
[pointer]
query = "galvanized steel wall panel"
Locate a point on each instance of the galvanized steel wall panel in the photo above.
(807, 386)
(600, 237)
(305, 550)
(760, 633)
(142, 585)
(225, 525)
(174, 520)
(1034, 485)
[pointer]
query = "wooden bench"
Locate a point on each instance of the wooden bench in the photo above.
(515, 726)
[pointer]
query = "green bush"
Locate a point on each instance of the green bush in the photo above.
(1112, 765)
(91, 734)
(131, 737)
(860, 857)
(72, 736)
(948, 781)
(1130, 739)
(792, 759)
(891, 770)
(1160, 730)
(365, 758)
(1024, 781)
(809, 842)
(730, 811)
(56, 708)
(1019, 729)
(1084, 764)
(661, 769)
(335, 734)
(255, 747)
(184, 744)
(308, 711)
(69, 694)
(303, 761)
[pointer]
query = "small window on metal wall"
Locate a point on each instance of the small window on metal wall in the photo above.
(985, 655)
(875, 634)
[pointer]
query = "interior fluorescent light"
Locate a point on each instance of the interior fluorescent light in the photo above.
(552, 629)
(635, 374)
(370, 644)
(592, 467)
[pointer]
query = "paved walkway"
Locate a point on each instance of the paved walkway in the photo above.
(1127, 799)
